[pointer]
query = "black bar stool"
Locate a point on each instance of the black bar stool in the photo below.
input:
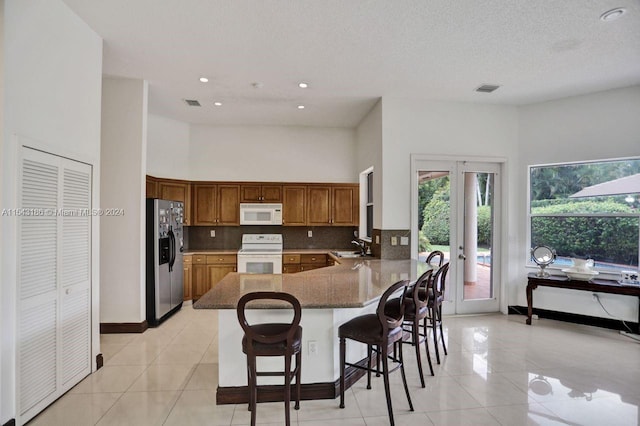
(272, 339)
(416, 313)
(436, 289)
(378, 331)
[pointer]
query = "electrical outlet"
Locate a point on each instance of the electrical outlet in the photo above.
(309, 233)
(313, 347)
(377, 239)
(213, 233)
(404, 241)
(394, 241)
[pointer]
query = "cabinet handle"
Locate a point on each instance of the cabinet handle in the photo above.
(219, 260)
(313, 258)
(234, 269)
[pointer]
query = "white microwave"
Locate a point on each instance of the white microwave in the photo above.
(260, 214)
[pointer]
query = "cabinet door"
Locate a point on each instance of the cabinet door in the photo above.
(217, 272)
(319, 205)
(177, 191)
(272, 193)
(250, 193)
(152, 187)
(200, 283)
(187, 281)
(345, 209)
(228, 204)
(204, 202)
(294, 203)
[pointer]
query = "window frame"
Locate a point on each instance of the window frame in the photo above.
(366, 189)
(530, 216)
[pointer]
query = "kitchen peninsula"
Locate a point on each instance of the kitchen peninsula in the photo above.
(329, 297)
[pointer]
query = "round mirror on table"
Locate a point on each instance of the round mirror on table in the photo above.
(543, 256)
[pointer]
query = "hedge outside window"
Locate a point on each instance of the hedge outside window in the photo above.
(568, 213)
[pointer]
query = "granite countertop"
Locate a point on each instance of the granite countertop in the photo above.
(351, 283)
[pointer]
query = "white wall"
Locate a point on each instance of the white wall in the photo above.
(438, 128)
(590, 127)
(52, 74)
(167, 148)
(369, 153)
(272, 153)
(123, 160)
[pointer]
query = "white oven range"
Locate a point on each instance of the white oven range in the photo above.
(260, 254)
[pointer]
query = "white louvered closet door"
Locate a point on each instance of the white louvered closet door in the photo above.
(54, 279)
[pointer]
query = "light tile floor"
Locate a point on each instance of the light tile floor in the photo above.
(499, 371)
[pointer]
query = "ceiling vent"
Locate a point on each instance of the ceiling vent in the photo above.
(487, 88)
(192, 102)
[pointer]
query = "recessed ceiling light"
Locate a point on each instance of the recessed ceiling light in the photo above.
(303, 85)
(204, 79)
(613, 14)
(217, 103)
(257, 85)
(300, 106)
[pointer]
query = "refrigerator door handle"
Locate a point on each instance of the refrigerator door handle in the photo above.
(172, 249)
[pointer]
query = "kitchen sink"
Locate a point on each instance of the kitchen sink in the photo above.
(347, 254)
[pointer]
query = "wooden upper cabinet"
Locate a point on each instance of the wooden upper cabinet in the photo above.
(319, 205)
(205, 200)
(177, 191)
(345, 207)
(228, 205)
(152, 187)
(333, 205)
(216, 204)
(294, 205)
(256, 193)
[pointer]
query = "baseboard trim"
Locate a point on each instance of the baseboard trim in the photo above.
(308, 391)
(612, 324)
(123, 327)
(11, 422)
(99, 361)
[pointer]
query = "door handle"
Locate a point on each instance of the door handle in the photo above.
(462, 256)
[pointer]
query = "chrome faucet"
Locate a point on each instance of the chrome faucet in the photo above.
(361, 246)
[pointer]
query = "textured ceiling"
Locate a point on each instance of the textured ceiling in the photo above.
(354, 52)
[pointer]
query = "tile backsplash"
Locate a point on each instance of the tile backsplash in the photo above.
(294, 237)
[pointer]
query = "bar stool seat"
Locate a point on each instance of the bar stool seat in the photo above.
(269, 340)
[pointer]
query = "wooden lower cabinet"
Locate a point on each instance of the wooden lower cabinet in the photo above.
(208, 270)
(187, 278)
(292, 263)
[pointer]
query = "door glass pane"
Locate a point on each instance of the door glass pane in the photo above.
(434, 195)
(478, 235)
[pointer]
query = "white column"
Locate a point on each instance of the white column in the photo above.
(470, 229)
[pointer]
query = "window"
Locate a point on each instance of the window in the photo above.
(587, 210)
(366, 204)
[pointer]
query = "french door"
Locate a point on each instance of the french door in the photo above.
(456, 209)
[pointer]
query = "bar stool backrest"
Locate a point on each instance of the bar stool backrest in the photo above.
(284, 335)
(389, 322)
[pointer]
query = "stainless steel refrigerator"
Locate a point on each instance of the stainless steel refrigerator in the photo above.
(164, 259)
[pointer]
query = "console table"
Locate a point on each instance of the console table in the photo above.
(594, 286)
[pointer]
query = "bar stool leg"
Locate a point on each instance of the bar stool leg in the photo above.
(298, 374)
(253, 390)
(435, 332)
(287, 389)
(416, 343)
(385, 376)
(404, 377)
(426, 345)
(369, 353)
(342, 361)
(444, 346)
